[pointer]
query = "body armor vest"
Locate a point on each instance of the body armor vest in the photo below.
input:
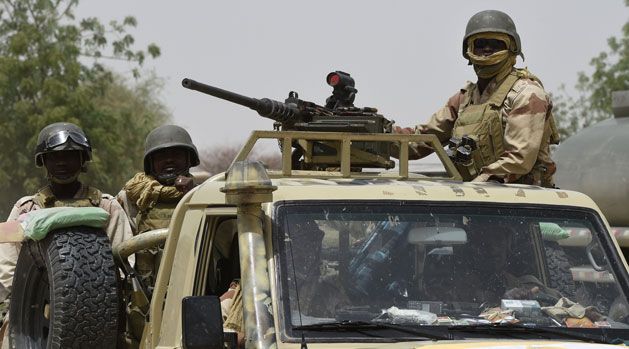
(155, 217)
(46, 199)
(147, 261)
(483, 123)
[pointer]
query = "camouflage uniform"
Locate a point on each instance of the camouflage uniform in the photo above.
(156, 216)
(117, 229)
(59, 137)
(507, 114)
(526, 124)
(149, 199)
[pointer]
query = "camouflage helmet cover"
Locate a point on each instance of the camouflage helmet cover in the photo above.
(491, 21)
(169, 136)
(62, 136)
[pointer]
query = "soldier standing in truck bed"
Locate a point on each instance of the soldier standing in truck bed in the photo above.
(506, 112)
(150, 197)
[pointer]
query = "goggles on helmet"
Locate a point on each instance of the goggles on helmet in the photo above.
(62, 137)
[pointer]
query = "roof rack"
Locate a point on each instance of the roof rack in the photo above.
(345, 154)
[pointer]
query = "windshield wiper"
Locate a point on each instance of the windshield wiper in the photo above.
(512, 330)
(363, 326)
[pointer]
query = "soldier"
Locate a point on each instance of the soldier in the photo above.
(506, 112)
(150, 197)
(481, 271)
(63, 151)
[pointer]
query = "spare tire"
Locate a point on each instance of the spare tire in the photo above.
(560, 275)
(65, 292)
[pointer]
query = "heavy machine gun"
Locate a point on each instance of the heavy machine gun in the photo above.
(338, 115)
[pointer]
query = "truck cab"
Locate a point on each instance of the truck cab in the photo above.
(373, 259)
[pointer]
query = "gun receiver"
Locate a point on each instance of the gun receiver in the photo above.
(338, 115)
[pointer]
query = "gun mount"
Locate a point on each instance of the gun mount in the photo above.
(338, 115)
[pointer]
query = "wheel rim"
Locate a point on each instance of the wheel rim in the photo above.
(35, 322)
(40, 320)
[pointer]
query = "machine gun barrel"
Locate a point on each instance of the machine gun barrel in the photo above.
(268, 108)
(220, 93)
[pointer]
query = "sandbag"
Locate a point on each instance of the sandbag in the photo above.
(553, 232)
(36, 224)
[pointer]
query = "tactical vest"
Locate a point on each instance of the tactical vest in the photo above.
(483, 123)
(46, 199)
(155, 217)
(147, 261)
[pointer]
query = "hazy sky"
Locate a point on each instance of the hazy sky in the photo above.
(404, 55)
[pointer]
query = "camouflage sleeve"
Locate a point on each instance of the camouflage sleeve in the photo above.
(23, 205)
(118, 228)
(10, 251)
(130, 208)
(525, 112)
(442, 121)
(440, 124)
(15, 213)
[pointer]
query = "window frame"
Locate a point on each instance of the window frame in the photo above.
(205, 240)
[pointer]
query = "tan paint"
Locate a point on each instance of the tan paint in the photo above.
(248, 186)
(174, 280)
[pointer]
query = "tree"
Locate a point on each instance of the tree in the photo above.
(593, 104)
(51, 70)
(124, 116)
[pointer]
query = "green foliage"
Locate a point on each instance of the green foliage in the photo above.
(50, 71)
(118, 127)
(611, 73)
(571, 114)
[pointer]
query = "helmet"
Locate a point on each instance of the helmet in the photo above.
(168, 136)
(61, 136)
(491, 21)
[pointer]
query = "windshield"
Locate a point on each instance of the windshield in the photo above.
(437, 265)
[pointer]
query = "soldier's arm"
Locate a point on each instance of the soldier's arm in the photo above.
(23, 205)
(118, 228)
(440, 124)
(526, 116)
(130, 208)
(10, 251)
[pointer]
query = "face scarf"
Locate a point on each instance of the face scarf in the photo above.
(498, 64)
(146, 191)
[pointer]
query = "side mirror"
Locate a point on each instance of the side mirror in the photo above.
(437, 236)
(202, 323)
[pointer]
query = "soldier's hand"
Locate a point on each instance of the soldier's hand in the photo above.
(184, 184)
(403, 130)
(518, 293)
(483, 177)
